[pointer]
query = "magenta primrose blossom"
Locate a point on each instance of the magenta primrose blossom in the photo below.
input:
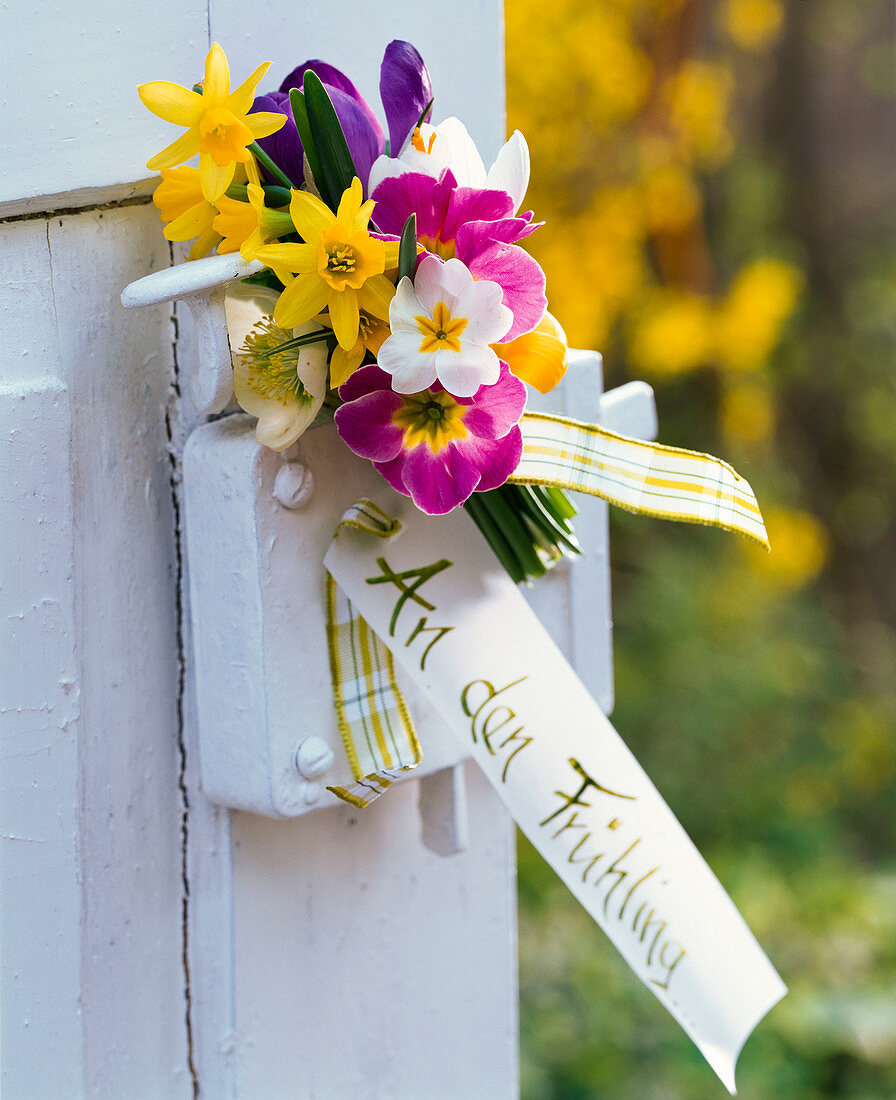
(442, 325)
(475, 225)
(433, 447)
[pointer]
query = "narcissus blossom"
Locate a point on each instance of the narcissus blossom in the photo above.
(442, 324)
(180, 202)
(246, 226)
(431, 446)
(219, 128)
(339, 267)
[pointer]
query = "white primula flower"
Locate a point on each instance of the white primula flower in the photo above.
(432, 149)
(442, 325)
(286, 389)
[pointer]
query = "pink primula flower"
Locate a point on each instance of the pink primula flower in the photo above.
(433, 447)
(478, 227)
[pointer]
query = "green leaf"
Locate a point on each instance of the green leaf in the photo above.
(407, 249)
(264, 278)
(300, 114)
(298, 342)
(274, 168)
(336, 164)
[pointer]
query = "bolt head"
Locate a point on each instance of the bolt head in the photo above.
(314, 757)
(293, 485)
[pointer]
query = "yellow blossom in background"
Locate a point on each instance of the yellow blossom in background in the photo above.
(673, 334)
(752, 24)
(698, 97)
(761, 298)
(747, 413)
(671, 198)
(799, 548)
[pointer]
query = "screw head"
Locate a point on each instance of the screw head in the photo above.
(293, 485)
(313, 757)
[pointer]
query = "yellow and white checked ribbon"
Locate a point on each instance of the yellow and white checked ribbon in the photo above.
(376, 727)
(647, 478)
(642, 477)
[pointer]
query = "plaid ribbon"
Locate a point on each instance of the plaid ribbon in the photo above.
(642, 477)
(376, 727)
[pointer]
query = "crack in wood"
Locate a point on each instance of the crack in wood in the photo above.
(174, 395)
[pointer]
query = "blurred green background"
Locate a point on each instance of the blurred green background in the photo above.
(719, 183)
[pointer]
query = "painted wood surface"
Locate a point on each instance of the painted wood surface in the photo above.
(159, 946)
(75, 69)
(105, 671)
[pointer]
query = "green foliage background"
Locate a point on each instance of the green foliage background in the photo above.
(717, 177)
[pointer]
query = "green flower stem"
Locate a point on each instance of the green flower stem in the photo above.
(493, 536)
(262, 157)
(298, 342)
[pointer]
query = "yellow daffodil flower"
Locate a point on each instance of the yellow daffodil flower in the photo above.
(539, 357)
(181, 204)
(372, 333)
(285, 390)
(339, 267)
(249, 225)
(218, 126)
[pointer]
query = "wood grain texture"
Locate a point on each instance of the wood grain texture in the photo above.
(393, 969)
(120, 782)
(40, 906)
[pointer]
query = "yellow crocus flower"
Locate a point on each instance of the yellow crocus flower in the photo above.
(218, 126)
(340, 267)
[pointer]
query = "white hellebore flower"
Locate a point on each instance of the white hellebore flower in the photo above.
(432, 149)
(284, 390)
(442, 324)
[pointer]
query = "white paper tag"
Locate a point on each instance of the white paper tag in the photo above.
(456, 623)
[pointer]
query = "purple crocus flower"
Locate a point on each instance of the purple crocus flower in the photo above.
(285, 147)
(432, 446)
(405, 89)
(363, 133)
(478, 227)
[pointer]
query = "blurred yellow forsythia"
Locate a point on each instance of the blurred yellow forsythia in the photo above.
(625, 118)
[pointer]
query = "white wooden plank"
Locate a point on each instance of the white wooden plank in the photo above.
(467, 65)
(118, 370)
(40, 904)
(377, 968)
(72, 118)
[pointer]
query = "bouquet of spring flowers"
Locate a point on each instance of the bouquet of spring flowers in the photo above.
(398, 297)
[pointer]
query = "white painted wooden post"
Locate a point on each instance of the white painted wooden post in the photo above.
(156, 944)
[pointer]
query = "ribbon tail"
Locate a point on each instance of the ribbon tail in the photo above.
(376, 727)
(647, 478)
